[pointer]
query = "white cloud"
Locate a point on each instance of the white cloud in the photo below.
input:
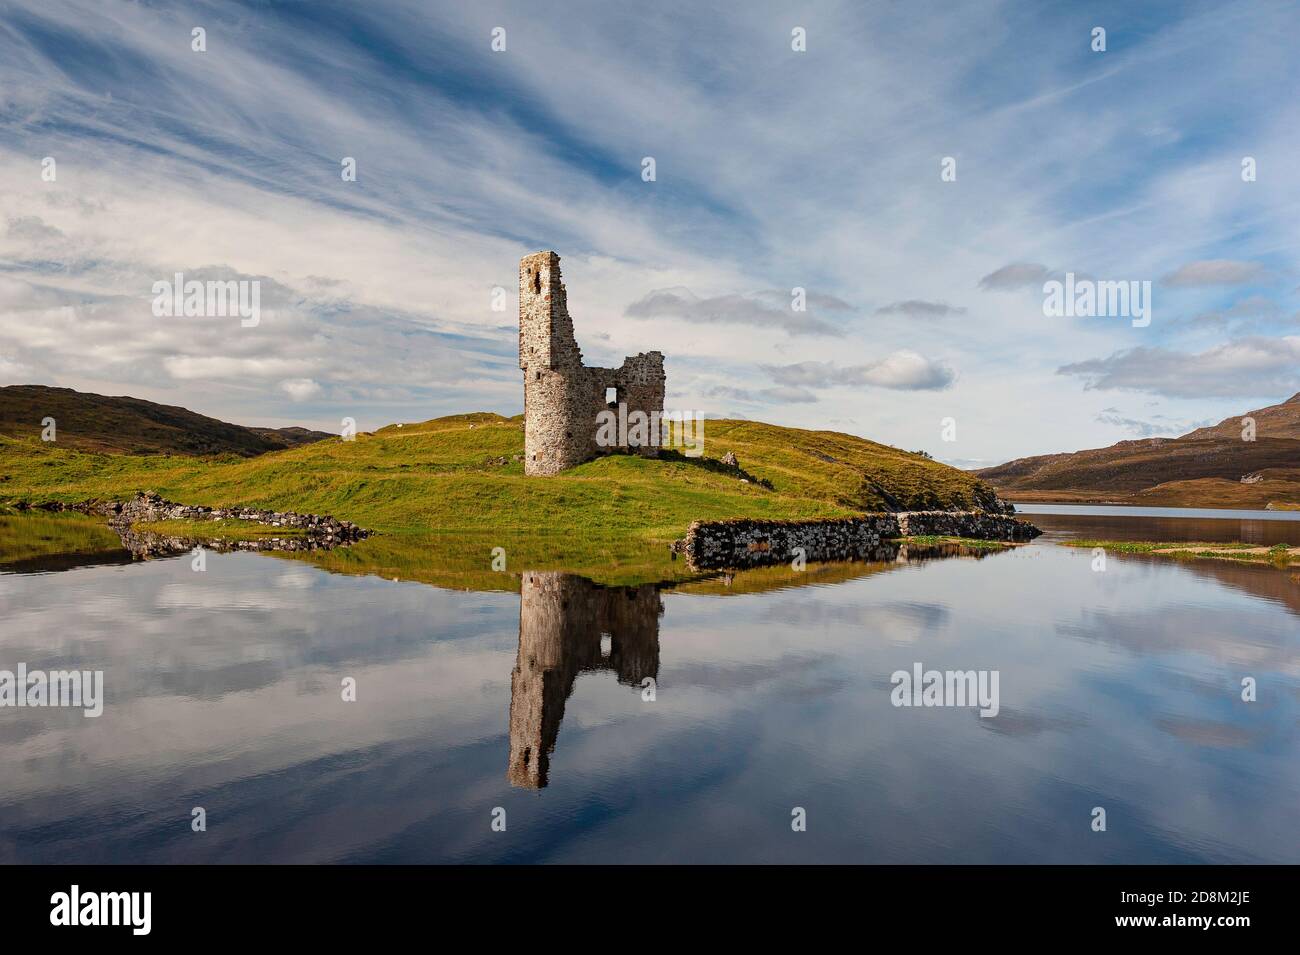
(222, 366)
(230, 161)
(300, 389)
(13, 372)
(1248, 367)
(31, 229)
(902, 371)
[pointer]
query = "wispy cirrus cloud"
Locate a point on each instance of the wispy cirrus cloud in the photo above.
(170, 160)
(758, 310)
(762, 395)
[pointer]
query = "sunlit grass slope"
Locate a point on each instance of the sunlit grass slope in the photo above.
(455, 487)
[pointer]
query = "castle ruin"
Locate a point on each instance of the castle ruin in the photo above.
(562, 397)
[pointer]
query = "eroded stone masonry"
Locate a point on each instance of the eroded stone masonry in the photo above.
(563, 397)
(753, 543)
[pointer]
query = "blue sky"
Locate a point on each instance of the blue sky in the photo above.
(775, 169)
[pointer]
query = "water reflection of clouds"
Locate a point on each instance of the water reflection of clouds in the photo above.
(1208, 733)
(1014, 722)
(1235, 636)
(895, 620)
(224, 693)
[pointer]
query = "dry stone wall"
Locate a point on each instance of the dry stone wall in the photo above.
(748, 543)
(981, 525)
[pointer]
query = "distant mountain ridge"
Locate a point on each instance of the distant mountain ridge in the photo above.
(1275, 421)
(1208, 467)
(125, 425)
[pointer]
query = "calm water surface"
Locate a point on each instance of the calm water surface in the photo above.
(1119, 522)
(1118, 689)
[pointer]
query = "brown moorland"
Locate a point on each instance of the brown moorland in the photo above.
(1208, 467)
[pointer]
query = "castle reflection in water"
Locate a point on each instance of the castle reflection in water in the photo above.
(567, 623)
(562, 620)
(565, 619)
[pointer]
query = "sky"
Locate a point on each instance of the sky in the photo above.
(775, 169)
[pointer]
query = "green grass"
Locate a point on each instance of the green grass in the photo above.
(1279, 555)
(1118, 547)
(440, 498)
(931, 540)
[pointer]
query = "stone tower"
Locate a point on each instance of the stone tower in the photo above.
(562, 398)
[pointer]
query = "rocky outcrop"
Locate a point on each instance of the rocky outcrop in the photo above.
(749, 543)
(147, 506)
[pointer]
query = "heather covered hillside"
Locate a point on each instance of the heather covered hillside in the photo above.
(124, 425)
(1208, 467)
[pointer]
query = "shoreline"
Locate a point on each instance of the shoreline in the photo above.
(1102, 499)
(1277, 556)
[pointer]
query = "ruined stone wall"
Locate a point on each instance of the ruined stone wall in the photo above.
(980, 525)
(147, 506)
(562, 398)
(748, 543)
(639, 386)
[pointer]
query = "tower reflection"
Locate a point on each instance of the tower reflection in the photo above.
(563, 622)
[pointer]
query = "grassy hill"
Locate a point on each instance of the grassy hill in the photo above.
(126, 425)
(1275, 421)
(1202, 469)
(446, 492)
